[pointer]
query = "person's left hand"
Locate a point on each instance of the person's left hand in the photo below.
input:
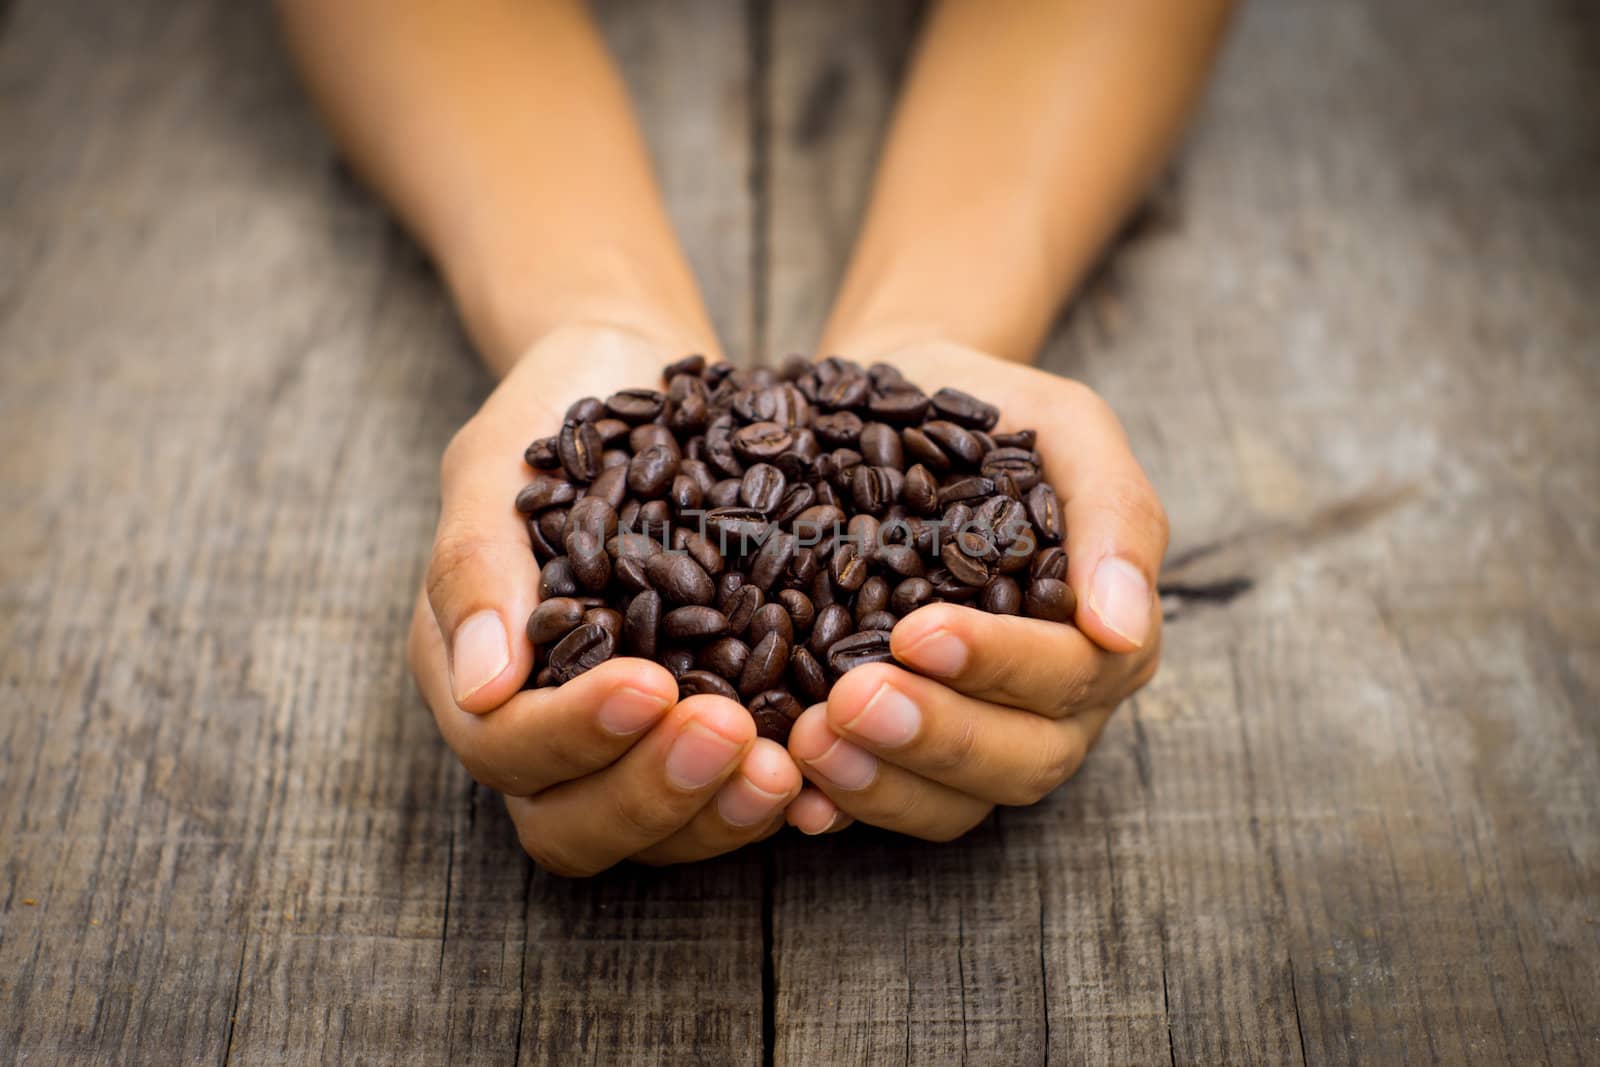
(998, 709)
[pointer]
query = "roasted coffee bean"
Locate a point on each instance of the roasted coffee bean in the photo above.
(678, 661)
(1021, 466)
(1044, 509)
(762, 487)
(920, 492)
(1050, 598)
(724, 494)
(703, 552)
(1016, 556)
(1001, 596)
(587, 409)
(846, 392)
(1017, 439)
(774, 713)
(615, 457)
(858, 650)
(810, 680)
(694, 623)
(1050, 563)
(592, 515)
(798, 605)
(728, 583)
(978, 545)
(761, 441)
(902, 560)
(554, 618)
(741, 607)
(771, 617)
(848, 567)
(544, 549)
(636, 405)
(880, 446)
(641, 626)
(873, 489)
(796, 499)
(680, 579)
(611, 485)
(542, 454)
(903, 407)
(583, 649)
(876, 620)
(685, 495)
(955, 441)
(725, 656)
(804, 567)
(962, 567)
(837, 429)
(613, 432)
(591, 566)
(608, 619)
(765, 666)
(772, 560)
(693, 683)
(873, 596)
(691, 365)
(545, 492)
(651, 471)
(965, 409)
(632, 545)
(556, 579)
(833, 623)
(920, 448)
(736, 530)
(910, 595)
(579, 446)
(655, 521)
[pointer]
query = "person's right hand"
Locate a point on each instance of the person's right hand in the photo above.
(610, 766)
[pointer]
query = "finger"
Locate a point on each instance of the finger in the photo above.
(878, 792)
(587, 825)
(748, 808)
(812, 813)
(1116, 529)
(998, 754)
(1045, 667)
(542, 737)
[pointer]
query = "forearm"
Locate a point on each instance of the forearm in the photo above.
(500, 132)
(1025, 132)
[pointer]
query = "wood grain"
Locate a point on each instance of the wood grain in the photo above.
(1353, 340)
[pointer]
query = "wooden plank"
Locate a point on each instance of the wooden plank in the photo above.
(226, 386)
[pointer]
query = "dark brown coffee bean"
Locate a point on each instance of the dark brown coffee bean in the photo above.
(719, 451)
(760, 442)
(693, 683)
(636, 405)
(810, 681)
(910, 595)
(613, 432)
(772, 714)
(694, 623)
(544, 548)
(847, 568)
(762, 487)
(796, 499)
(545, 492)
(694, 365)
(583, 649)
(593, 515)
(651, 471)
(820, 589)
(955, 441)
(741, 606)
(977, 544)
(873, 489)
(804, 567)
(772, 560)
(542, 454)
(1017, 464)
(1050, 599)
(724, 494)
(1001, 596)
(963, 568)
(771, 617)
(833, 623)
(679, 661)
(873, 596)
(817, 523)
(920, 448)
(591, 566)
(847, 391)
(680, 579)
(876, 620)
(880, 446)
(641, 626)
(1044, 509)
(904, 406)
(587, 409)
(968, 488)
(902, 560)
(610, 485)
(965, 409)
(579, 446)
(556, 579)
(920, 491)
(614, 457)
(736, 531)
(608, 619)
(1050, 563)
(838, 429)
(703, 552)
(633, 545)
(798, 605)
(764, 669)
(685, 495)
(554, 618)
(1016, 556)
(858, 650)
(1016, 439)
(725, 656)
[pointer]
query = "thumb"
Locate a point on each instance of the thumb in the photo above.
(1116, 531)
(482, 577)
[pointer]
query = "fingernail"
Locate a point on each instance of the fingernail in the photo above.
(941, 653)
(743, 803)
(829, 825)
(627, 711)
(699, 756)
(890, 719)
(1120, 596)
(478, 654)
(846, 766)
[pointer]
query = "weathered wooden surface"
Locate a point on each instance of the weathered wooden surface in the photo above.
(1353, 820)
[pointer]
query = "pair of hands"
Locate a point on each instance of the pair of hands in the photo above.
(611, 766)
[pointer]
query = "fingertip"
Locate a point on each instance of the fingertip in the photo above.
(852, 691)
(812, 813)
(931, 640)
(484, 668)
(768, 767)
(1116, 611)
(810, 737)
(721, 716)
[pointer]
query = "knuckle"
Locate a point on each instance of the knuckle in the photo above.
(956, 749)
(645, 818)
(548, 855)
(1056, 763)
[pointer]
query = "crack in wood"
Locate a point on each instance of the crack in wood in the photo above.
(1294, 997)
(233, 1007)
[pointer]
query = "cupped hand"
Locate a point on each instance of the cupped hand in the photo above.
(611, 765)
(995, 709)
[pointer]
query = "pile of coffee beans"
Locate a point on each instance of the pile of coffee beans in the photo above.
(760, 531)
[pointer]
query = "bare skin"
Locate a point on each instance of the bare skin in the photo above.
(500, 132)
